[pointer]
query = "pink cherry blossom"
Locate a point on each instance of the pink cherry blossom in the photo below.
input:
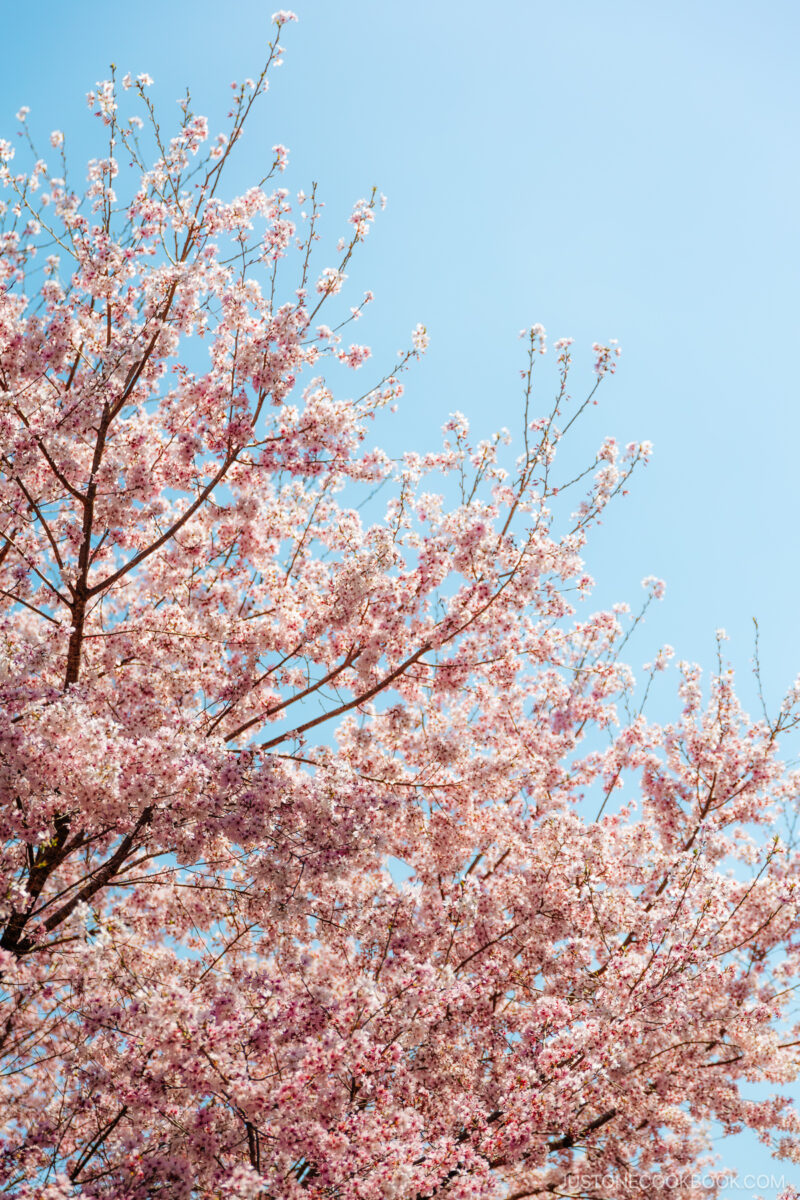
(420, 339)
(254, 672)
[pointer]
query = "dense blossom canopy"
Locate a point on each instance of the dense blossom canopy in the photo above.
(232, 700)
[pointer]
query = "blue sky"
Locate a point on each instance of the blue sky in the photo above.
(620, 169)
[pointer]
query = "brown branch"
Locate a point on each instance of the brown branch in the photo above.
(94, 1146)
(569, 1139)
(104, 584)
(343, 708)
(350, 658)
(21, 946)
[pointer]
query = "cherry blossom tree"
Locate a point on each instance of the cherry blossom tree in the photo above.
(237, 695)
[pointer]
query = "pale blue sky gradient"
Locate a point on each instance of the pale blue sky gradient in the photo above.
(622, 169)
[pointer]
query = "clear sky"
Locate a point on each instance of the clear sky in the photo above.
(623, 169)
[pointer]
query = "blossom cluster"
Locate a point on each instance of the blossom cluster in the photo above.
(339, 858)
